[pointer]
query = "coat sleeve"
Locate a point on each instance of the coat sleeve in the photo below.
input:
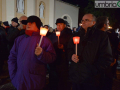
(48, 55)
(12, 61)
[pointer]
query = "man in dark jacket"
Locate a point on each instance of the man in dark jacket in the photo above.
(58, 76)
(16, 31)
(11, 35)
(3, 49)
(6, 26)
(94, 56)
(102, 23)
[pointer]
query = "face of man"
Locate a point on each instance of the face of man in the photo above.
(87, 21)
(31, 26)
(22, 26)
(14, 24)
(60, 26)
(22, 18)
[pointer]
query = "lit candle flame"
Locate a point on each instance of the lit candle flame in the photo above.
(57, 33)
(43, 31)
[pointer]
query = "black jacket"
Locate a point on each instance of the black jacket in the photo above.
(13, 33)
(3, 45)
(61, 60)
(94, 53)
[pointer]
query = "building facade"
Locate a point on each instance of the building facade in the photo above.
(47, 10)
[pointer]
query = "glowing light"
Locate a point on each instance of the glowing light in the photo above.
(43, 31)
(57, 33)
(110, 27)
(76, 40)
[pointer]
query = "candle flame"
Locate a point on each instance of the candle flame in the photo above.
(43, 31)
(57, 33)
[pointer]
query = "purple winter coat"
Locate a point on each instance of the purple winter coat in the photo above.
(28, 71)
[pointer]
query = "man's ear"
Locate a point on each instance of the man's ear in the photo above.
(94, 22)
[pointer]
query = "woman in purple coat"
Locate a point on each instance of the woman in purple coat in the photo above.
(27, 61)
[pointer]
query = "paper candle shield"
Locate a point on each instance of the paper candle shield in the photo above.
(57, 33)
(76, 40)
(43, 31)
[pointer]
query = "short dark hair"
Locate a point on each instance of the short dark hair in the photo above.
(60, 20)
(101, 21)
(45, 25)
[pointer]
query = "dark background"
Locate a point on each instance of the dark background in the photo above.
(87, 6)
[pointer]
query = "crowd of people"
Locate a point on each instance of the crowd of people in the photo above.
(93, 68)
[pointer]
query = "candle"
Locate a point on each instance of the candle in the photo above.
(76, 41)
(58, 34)
(43, 32)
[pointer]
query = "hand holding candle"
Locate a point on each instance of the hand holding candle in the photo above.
(75, 58)
(43, 32)
(58, 34)
(76, 41)
(38, 50)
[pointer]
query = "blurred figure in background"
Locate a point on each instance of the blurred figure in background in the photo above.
(3, 48)
(6, 26)
(58, 75)
(102, 23)
(12, 32)
(74, 30)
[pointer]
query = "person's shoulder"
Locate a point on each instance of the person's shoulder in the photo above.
(19, 38)
(100, 33)
(68, 31)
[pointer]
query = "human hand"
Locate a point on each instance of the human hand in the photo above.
(75, 58)
(60, 46)
(38, 50)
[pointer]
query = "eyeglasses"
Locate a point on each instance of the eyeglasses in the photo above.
(86, 20)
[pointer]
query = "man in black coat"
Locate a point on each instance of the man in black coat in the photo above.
(3, 49)
(16, 29)
(6, 26)
(94, 56)
(58, 75)
(102, 23)
(11, 35)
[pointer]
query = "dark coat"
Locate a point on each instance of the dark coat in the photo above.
(114, 41)
(64, 38)
(58, 75)
(3, 47)
(95, 55)
(12, 34)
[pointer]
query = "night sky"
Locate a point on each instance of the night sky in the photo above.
(84, 3)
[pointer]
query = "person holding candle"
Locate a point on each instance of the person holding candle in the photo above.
(94, 55)
(58, 75)
(27, 61)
